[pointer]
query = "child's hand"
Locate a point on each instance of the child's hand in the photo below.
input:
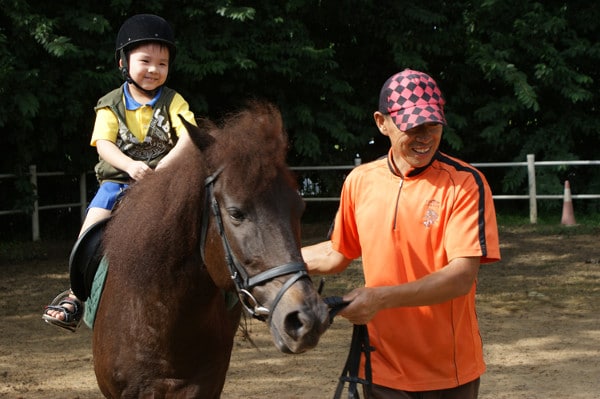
(137, 170)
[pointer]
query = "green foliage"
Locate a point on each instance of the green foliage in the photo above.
(237, 13)
(519, 77)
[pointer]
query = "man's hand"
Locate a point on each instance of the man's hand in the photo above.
(364, 304)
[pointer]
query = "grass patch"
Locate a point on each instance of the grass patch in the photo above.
(549, 224)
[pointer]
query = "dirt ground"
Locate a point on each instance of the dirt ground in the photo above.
(539, 310)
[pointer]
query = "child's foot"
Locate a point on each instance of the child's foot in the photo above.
(65, 311)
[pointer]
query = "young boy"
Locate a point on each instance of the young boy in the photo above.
(137, 129)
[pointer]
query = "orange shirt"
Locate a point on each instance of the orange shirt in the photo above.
(405, 229)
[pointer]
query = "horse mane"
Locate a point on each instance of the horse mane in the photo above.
(253, 144)
(158, 221)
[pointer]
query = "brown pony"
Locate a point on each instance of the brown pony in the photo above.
(224, 218)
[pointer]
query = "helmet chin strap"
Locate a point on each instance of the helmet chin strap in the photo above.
(125, 72)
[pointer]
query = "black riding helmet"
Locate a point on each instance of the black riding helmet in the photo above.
(139, 29)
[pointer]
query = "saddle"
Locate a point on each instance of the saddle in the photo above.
(85, 258)
(88, 268)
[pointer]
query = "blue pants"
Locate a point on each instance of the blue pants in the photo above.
(107, 195)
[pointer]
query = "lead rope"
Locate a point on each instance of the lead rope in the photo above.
(359, 345)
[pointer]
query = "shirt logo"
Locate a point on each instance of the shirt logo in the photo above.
(431, 213)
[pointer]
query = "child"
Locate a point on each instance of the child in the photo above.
(137, 130)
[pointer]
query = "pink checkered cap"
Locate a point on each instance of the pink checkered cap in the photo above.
(412, 98)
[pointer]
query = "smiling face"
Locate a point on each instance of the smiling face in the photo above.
(411, 149)
(148, 67)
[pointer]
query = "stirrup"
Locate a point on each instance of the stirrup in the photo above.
(72, 318)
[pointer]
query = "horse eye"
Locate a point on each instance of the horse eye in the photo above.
(236, 214)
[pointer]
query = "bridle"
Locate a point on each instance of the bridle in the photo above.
(244, 284)
(242, 281)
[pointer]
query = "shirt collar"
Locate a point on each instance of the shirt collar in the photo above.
(412, 172)
(131, 104)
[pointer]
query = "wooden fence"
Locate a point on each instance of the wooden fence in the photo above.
(530, 164)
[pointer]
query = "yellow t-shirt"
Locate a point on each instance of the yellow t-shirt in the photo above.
(106, 126)
(405, 229)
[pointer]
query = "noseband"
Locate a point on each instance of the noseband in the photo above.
(242, 281)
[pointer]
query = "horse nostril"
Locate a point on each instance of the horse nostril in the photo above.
(303, 330)
(293, 325)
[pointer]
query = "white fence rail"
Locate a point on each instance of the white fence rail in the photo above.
(530, 163)
(35, 214)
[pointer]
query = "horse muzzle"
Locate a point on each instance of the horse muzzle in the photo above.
(299, 319)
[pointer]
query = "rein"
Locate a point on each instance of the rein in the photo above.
(358, 346)
(242, 281)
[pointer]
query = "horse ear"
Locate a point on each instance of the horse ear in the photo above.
(199, 137)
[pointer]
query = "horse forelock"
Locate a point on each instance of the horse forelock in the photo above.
(253, 145)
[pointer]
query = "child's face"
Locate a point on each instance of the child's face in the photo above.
(149, 65)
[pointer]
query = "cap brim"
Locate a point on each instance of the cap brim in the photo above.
(412, 117)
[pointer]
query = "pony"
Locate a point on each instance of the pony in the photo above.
(223, 219)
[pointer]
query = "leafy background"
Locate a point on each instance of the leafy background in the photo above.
(519, 77)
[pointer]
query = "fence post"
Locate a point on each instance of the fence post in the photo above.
(82, 196)
(532, 190)
(35, 217)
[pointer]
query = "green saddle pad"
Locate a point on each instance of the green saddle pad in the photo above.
(91, 305)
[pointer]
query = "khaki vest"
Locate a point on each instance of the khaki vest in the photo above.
(159, 140)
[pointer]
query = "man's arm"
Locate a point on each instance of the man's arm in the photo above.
(321, 258)
(454, 280)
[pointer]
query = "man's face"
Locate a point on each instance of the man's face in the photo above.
(414, 148)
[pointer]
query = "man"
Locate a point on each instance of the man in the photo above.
(422, 222)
